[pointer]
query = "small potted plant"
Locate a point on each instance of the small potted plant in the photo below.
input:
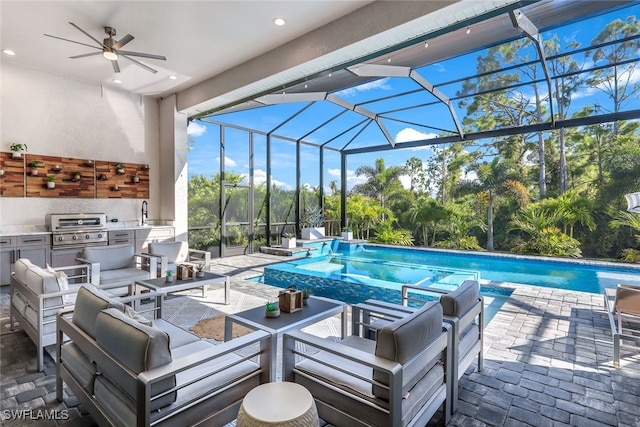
(314, 219)
(17, 149)
(1, 172)
(51, 181)
(288, 240)
(347, 233)
(120, 169)
(135, 178)
(170, 277)
(103, 177)
(35, 165)
(199, 270)
(271, 309)
(306, 293)
(77, 176)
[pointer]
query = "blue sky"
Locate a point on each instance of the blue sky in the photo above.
(204, 157)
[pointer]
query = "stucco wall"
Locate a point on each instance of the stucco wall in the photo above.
(59, 116)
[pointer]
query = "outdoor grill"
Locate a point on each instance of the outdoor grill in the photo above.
(77, 230)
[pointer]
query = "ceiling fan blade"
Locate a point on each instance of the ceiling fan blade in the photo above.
(143, 55)
(85, 55)
(126, 39)
(116, 67)
(138, 63)
(73, 41)
(87, 34)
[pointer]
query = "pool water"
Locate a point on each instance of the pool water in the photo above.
(355, 273)
(561, 274)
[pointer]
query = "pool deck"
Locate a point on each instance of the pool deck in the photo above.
(548, 358)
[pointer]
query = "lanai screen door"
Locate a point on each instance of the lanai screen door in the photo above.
(237, 229)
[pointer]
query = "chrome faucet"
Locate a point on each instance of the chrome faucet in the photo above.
(145, 212)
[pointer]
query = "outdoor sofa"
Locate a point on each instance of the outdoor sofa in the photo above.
(126, 372)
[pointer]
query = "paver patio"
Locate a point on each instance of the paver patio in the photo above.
(548, 358)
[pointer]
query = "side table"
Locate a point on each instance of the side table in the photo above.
(282, 404)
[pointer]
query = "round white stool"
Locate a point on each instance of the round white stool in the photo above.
(278, 404)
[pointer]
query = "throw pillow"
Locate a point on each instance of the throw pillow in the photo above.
(63, 284)
(132, 314)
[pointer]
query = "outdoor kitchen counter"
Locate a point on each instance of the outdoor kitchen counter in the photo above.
(22, 230)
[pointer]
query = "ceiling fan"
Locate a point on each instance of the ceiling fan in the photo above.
(111, 49)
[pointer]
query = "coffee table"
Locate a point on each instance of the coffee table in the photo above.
(318, 309)
(163, 287)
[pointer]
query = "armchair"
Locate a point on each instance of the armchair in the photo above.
(463, 309)
(623, 308)
(400, 379)
(36, 294)
(118, 267)
(171, 254)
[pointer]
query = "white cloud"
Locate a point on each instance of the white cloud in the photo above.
(260, 177)
(380, 84)
(352, 179)
(410, 134)
(228, 162)
(196, 129)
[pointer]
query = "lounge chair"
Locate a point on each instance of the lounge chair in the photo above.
(633, 202)
(623, 307)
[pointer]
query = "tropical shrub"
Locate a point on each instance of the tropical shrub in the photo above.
(386, 234)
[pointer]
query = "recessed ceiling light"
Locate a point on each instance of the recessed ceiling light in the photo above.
(118, 81)
(468, 30)
(172, 77)
(8, 52)
(279, 21)
(426, 45)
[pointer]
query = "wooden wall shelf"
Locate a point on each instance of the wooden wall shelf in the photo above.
(98, 178)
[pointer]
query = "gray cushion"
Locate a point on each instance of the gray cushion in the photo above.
(111, 257)
(403, 339)
(176, 252)
(457, 303)
(137, 347)
(39, 281)
(89, 303)
(82, 369)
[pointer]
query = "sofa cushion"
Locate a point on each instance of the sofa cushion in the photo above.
(138, 348)
(176, 252)
(111, 257)
(82, 369)
(403, 339)
(20, 268)
(89, 302)
(122, 275)
(132, 314)
(457, 303)
(39, 281)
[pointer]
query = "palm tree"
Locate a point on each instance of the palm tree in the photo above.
(544, 237)
(428, 213)
(381, 182)
(496, 179)
(572, 208)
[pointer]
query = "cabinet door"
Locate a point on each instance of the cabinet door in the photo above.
(144, 236)
(39, 255)
(35, 248)
(64, 257)
(7, 258)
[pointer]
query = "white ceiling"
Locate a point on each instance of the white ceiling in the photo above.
(199, 38)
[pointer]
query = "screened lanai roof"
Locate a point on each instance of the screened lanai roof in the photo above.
(418, 92)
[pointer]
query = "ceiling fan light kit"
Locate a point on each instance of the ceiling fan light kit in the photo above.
(111, 49)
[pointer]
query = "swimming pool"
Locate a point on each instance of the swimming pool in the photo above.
(577, 275)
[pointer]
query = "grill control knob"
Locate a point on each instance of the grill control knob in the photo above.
(99, 235)
(75, 237)
(60, 238)
(86, 236)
